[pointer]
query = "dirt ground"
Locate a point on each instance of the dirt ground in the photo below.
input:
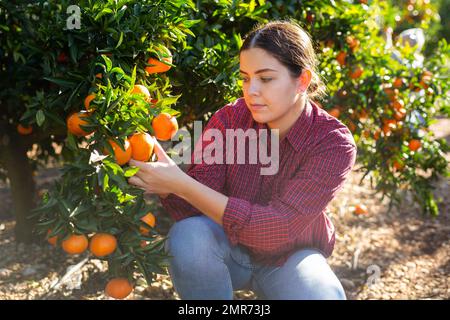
(380, 255)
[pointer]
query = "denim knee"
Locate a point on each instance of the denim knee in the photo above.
(190, 241)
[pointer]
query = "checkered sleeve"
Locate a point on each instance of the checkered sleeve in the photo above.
(205, 170)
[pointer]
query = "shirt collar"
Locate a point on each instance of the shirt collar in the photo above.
(299, 131)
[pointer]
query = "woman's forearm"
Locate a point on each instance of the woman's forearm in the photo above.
(207, 200)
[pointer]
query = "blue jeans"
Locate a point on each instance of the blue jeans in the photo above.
(204, 265)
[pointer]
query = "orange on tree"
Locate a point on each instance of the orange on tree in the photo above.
(142, 145)
(356, 72)
(75, 244)
(341, 57)
(414, 144)
(122, 156)
(52, 240)
(360, 209)
(149, 219)
(426, 78)
(398, 165)
(24, 130)
(102, 244)
(87, 101)
(142, 90)
(118, 288)
(165, 126)
(352, 42)
(75, 120)
(391, 93)
(335, 112)
(398, 82)
(157, 66)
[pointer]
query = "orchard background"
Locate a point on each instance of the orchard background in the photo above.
(80, 85)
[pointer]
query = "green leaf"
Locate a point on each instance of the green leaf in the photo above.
(61, 82)
(130, 171)
(120, 40)
(40, 117)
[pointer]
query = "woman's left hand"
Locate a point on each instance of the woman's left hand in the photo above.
(162, 177)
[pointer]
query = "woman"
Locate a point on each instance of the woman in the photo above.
(238, 229)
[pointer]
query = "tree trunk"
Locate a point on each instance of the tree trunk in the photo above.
(13, 157)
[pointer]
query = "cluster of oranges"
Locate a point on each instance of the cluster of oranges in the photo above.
(140, 145)
(102, 245)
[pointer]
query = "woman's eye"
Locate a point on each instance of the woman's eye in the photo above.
(266, 79)
(244, 79)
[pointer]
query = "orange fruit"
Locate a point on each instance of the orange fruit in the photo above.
(360, 209)
(75, 244)
(363, 116)
(149, 219)
(376, 134)
(398, 82)
(122, 156)
(391, 93)
(356, 72)
(74, 121)
(118, 288)
(335, 112)
(351, 126)
(165, 126)
(102, 244)
(398, 104)
(426, 78)
(398, 165)
(414, 144)
(341, 57)
(52, 240)
(352, 42)
(24, 130)
(143, 243)
(156, 66)
(142, 90)
(142, 145)
(99, 76)
(400, 114)
(87, 101)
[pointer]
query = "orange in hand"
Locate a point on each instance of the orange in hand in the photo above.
(122, 156)
(118, 288)
(75, 244)
(165, 126)
(142, 145)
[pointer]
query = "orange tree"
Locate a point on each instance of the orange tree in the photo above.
(88, 79)
(388, 104)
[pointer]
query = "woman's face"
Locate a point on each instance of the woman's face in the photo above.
(270, 92)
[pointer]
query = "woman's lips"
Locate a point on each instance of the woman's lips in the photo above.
(257, 106)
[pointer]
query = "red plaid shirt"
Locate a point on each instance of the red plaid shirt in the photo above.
(275, 215)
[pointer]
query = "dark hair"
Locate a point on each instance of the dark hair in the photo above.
(291, 46)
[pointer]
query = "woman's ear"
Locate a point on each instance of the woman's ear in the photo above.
(304, 80)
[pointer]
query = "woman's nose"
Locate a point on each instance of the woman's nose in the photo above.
(253, 88)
